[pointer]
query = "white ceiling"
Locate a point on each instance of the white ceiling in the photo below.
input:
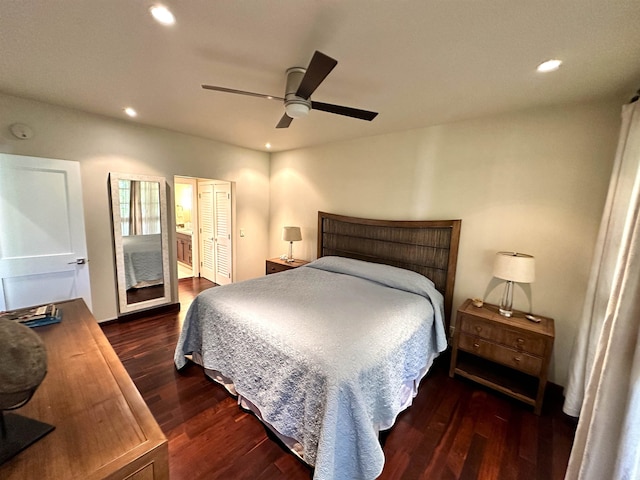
(418, 63)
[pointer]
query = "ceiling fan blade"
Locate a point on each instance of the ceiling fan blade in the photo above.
(285, 121)
(241, 92)
(318, 69)
(346, 111)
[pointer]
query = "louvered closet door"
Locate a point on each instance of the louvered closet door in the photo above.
(222, 218)
(207, 240)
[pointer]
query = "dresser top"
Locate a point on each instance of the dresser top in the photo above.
(102, 425)
(294, 264)
(518, 320)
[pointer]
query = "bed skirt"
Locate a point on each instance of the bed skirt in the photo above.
(408, 393)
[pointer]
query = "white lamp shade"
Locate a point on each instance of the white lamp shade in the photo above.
(516, 267)
(291, 234)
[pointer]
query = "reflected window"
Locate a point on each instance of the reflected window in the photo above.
(139, 207)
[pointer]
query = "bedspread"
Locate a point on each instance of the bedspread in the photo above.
(323, 351)
(142, 260)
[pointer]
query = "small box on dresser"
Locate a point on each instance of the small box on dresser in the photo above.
(275, 265)
(508, 354)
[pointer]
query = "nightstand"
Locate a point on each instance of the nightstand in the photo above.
(275, 265)
(508, 354)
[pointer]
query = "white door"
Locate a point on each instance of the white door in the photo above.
(43, 250)
(206, 231)
(222, 219)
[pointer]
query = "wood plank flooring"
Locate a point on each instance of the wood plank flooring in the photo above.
(454, 429)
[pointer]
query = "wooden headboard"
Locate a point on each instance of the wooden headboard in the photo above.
(427, 247)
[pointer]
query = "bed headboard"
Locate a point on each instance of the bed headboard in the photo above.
(427, 247)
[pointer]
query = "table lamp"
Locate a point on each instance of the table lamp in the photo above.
(513, 267)
(291, 234)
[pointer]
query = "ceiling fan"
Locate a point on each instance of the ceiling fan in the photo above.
(301, 83)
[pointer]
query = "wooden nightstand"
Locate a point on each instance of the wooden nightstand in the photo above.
(275, 265)
(510, 355)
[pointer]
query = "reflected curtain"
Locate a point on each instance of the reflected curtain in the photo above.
(144, 208)
(604, 379)
(135, 209)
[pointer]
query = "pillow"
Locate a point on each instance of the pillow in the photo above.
(387, 275)
(393, 277)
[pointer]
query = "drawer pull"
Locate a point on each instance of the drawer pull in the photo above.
(520, 341)
(478, 329)
(476, 345)
(517, 359)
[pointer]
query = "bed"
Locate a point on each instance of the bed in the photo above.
(328, 354)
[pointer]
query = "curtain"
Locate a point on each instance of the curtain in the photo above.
(144, 208)
(135, 209)
(604, 379)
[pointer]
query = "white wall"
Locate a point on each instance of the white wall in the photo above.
(532, 182)
(104, 145)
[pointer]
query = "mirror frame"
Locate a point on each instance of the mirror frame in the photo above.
(116, 229)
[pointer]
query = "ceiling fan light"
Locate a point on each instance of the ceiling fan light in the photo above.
(296, 110)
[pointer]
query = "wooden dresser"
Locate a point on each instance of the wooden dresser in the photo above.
(103, 428)
(509, 354)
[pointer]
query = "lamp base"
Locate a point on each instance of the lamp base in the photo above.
(290, 256)
(18, 433)
(507, 300)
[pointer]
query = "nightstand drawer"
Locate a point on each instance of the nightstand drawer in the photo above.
(520, 340)
(473, 326)
(273, 267)
(498, 353)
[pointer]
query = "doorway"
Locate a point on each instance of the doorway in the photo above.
(186, 209)
(203, 209)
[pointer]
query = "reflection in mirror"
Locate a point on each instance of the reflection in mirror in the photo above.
(141, 241)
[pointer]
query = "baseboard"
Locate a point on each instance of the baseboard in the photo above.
(150, 312)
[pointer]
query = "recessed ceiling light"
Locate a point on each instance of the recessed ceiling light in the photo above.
(130, 111)
(549, 65)
(267, 145)
(163, 15)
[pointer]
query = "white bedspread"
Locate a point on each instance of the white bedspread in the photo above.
(323, 351)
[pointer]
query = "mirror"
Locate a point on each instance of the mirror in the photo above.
(141, 241)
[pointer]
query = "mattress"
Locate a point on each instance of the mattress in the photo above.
(325, 352)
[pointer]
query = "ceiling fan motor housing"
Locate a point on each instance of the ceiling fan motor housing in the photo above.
(295, 106)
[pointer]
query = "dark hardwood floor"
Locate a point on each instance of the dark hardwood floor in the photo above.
(453, 430)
